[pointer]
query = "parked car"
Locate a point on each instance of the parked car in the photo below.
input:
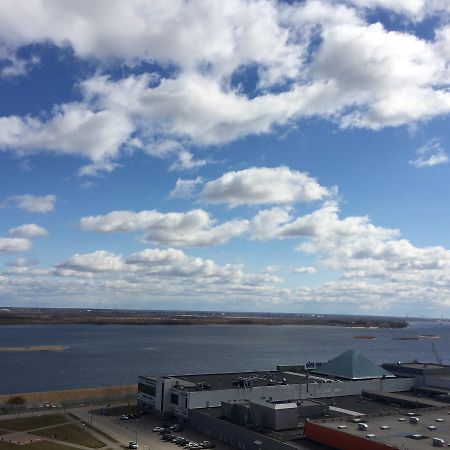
(133, 445)
(123, 417)
(206, 444)
(156, 429)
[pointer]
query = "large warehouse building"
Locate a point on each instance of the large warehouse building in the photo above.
(347, 374)
(318, 405)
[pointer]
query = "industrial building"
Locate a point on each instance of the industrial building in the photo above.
(348, 374)
(281, 409)
(408, 429)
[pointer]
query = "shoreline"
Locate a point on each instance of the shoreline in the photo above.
(102, 317)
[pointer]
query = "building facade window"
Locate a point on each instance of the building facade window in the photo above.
(174, 399)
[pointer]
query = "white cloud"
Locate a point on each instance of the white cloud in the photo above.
(324, 58)
(267, 222)
(186, 188)
(194, 228)
(414, 9)
(308, 270)
(32, 203)
(28, 230)
(165, 273)
(12, 65)
(14, 245)
(260, 185)
(72, 129)
(229, 34)
(186, 161)
(431, 154)
(99, 261)
(21, 262)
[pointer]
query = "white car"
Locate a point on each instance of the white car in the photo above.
(156, 429)
(133, 445)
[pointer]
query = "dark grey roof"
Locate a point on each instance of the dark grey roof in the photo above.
(352, 366)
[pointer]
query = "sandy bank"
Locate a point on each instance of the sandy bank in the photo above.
(34, 348)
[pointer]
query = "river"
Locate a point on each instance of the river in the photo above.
(117, 354)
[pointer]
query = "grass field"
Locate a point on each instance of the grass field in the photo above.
(44, 445)
(71, 433)
(84, 395)
(30, 423)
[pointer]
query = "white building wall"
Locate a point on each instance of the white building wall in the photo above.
(213, 398)
(437, 381)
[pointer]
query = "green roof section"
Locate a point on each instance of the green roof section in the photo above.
(352, 365)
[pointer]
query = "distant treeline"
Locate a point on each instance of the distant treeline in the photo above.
(112, 317)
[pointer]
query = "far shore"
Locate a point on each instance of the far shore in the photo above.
(113, 317)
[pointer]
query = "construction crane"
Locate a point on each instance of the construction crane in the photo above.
(438, 358)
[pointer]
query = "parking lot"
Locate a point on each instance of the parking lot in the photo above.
(140, 430)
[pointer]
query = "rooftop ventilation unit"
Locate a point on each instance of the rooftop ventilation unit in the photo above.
(437, 442)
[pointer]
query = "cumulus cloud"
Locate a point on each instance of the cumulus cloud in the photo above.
(307, 270)
(99, 261)
(32, 203)
(260, 185)
(154, 264)
(186, 161)
(414, 9)
(376, 263)
(186, 188)
(14, 245)
(190, 33)
(12, 65)
(431, 154)
(28, 230)
(194, 228)
(316, 58)
(72, 129)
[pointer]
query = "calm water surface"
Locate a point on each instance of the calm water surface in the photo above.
(116, 354)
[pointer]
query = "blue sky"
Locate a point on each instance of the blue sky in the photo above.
(253, 155)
